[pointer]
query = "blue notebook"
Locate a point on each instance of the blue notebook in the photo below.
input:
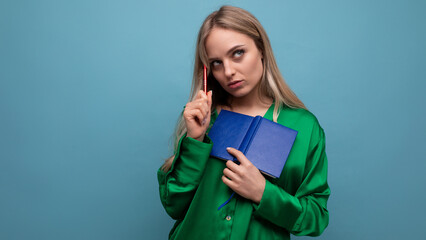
(265, 143)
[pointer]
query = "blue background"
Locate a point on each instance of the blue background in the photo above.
(90, 92)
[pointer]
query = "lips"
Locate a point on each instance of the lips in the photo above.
(235, 84)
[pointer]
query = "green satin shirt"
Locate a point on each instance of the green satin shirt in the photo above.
(192, 190)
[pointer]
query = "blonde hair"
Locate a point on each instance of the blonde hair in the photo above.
(272, 83)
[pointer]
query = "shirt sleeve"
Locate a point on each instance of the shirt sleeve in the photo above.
(178, 185)
(306, 212)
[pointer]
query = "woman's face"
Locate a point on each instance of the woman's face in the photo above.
(235, 62)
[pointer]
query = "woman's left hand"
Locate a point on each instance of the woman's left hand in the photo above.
(245, 179)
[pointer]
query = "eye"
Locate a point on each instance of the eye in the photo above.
(238, 53)
(215, 63)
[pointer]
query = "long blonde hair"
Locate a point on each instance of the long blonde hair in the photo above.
(272, 83)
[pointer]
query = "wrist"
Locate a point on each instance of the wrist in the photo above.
(200, 138)
(259, 196)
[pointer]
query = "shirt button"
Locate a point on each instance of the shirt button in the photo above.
(228, 218)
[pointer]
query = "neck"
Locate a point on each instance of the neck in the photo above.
(251, 104)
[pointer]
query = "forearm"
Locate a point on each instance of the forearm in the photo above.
(305, 215)
(178, 185)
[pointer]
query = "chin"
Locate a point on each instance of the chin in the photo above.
(239, 93)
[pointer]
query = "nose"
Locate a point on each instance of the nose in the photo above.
(229, 69)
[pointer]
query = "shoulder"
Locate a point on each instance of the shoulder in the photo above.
(297, 116)
(301, 120)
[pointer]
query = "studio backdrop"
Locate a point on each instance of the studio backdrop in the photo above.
(90, 92)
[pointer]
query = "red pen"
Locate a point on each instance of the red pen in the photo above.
(205, 79)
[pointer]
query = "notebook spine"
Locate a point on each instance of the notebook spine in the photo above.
(251, 132)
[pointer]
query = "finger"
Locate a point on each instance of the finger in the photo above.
(231, 175)
(233, 166)
(228, 182)
(204, 101)
(202, 106)
(195, 114)
(199, 104)
(239, 155)
(201, 95)
(210, 97)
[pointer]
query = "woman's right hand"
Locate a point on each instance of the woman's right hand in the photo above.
(197, 115)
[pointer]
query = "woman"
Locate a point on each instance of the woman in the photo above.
(244, 78)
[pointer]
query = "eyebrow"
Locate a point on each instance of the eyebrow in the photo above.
(229, 51)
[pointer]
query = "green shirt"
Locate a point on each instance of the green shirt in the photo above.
(192, 190)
